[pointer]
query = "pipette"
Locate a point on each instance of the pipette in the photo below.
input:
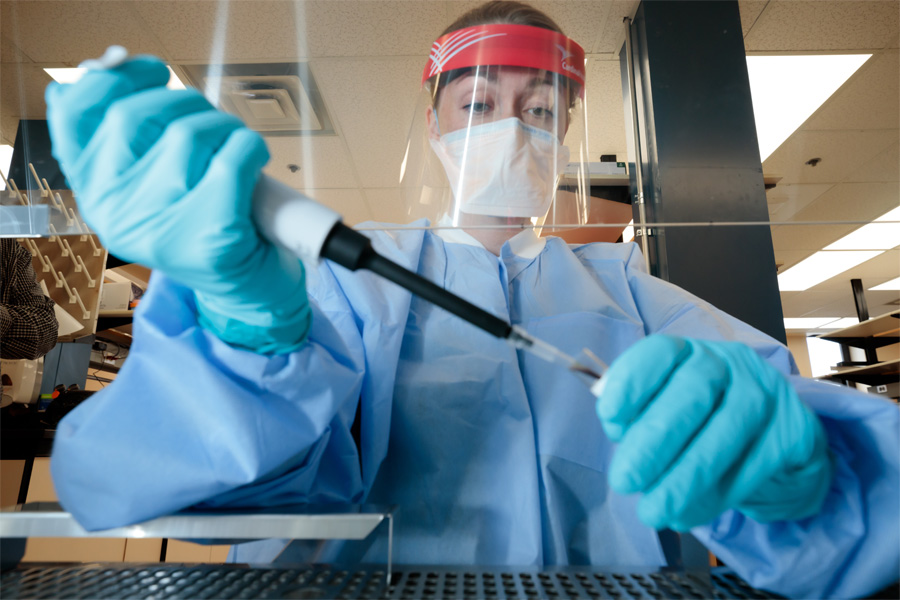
(312, 231)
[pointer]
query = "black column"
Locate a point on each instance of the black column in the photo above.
(700, 157)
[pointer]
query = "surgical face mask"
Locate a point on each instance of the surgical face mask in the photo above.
(503, 169)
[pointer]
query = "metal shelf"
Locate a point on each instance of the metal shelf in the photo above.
(318, 522)
(880, 331)
(877, 374)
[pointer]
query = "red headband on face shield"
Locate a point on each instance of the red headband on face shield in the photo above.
(508, 45)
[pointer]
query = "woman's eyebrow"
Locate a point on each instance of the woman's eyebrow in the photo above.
(539, 81)
(489, 78)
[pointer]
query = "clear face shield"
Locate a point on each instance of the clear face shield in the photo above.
(498, 138)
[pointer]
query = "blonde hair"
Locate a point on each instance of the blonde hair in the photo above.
(504, 12)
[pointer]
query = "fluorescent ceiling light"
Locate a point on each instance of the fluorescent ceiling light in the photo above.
(174, 82)
(874, 236)
(841, 323)
(807, 322)
(887, 286)
(6, 152)
(821, 266)
(65, 75)
(891, 215)
(787, 90)
(73, 75)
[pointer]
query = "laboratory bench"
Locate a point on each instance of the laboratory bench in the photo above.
(185, 580)
(352, 522)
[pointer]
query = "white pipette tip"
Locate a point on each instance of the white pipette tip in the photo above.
(520, 338)
(598, 387)
(113, 57)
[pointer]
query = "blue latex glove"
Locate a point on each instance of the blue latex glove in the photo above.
(704, 427)
(167, 181)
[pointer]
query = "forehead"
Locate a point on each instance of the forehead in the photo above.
(503, 76)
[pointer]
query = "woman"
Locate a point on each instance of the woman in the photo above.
(240, 392)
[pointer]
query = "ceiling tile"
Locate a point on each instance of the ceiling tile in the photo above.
(323, 160)
(9, 124)
(387, 205)
(813, 303)
(9, 53)
(396, 28)
(834, 297)
(786, 199)
(375, 28)
(750, 11)
(580, 20)
(372, 100)
(852, 202)
(868, 100)
(877, 270)
(223, 31)
(785, 259)
(610, 38)
(841, 153)
(883, 167)
(805, 238)
(22, 88)
(881, 303)
(350, 203)
(824, 25)
(71, 31)
(606, 113)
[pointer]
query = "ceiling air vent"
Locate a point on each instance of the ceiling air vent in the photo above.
(272, 98)
(269, 103)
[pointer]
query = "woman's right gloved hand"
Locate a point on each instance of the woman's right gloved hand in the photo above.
(167, 181)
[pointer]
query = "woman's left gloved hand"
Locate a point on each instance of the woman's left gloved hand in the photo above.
(704, 427)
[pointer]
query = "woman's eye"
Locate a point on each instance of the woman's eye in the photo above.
(477, 107)
(540, 112)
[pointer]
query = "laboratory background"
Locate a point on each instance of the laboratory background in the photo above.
(806, 248)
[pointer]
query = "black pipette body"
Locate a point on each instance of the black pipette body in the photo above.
(353, 250)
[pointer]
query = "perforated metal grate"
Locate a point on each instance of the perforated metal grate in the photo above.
(238, 581)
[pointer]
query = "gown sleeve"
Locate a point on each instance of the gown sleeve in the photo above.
(193, 420)
(852, 547)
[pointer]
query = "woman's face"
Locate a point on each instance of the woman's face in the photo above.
(487, 94)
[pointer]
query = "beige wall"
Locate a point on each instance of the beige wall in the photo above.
(891, 352)
(797, 345)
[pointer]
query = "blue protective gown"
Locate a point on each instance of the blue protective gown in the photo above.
(493, 456)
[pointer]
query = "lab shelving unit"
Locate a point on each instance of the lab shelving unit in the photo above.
(882, 375)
